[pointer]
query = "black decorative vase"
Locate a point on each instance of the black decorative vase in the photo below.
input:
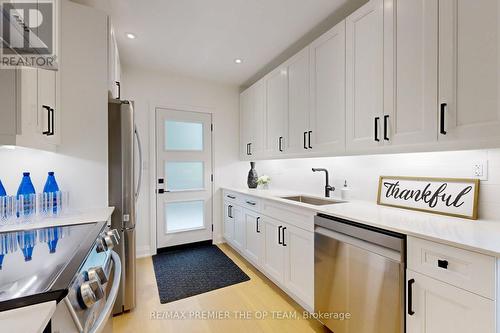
(252, 176)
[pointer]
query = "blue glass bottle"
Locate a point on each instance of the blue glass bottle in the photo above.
(52, 187)
(3, 193)
(26, 188)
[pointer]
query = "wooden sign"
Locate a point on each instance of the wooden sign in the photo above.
(446, 196)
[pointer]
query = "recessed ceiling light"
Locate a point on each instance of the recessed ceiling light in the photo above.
(238, 61)
(131, 35)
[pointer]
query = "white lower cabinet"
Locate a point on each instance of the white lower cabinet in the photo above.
(253, 236)
(438, 307)
(273, 260)
(283, 252)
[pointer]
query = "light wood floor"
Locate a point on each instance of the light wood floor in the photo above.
(256, 296)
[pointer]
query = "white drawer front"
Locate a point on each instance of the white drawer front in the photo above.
(232, 197)
(468, 270)
(301, 218)
(251, 203)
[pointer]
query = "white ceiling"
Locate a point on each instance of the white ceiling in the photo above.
(201, 38)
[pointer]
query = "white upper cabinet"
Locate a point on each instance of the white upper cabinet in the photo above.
(364, 81)
(327, 107)
(411, 72)
(49, 114)
(252, 121)
(298, 101)
(277, 111)
(469, 73)
(114, 69)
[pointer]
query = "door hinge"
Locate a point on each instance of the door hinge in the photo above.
(212, 177)
(212, 127)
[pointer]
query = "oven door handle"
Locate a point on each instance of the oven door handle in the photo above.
(113, 293)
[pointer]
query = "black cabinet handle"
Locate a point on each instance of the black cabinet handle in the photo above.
(119, 89)
(161, 181)
(257, 225)
(250, 148)
(443, 264)
(309, 139)
(410, 297)
(283, 237)
(161, 191)
(231, 196)
(386, 126)
(48, 131)
(280, 143)
(305, 140)
(230, 211)
(52, 122)
(251, 203)
(376, 129)
(442, 129)
(279, 235)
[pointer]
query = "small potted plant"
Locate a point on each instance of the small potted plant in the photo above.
(263, 182)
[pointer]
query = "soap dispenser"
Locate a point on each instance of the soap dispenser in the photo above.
(345, 192)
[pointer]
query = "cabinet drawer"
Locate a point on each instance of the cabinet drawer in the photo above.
(468, 270)
(232, 197)
(251, 203)
(301, 218)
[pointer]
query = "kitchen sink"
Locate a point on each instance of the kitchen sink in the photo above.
(312, 200)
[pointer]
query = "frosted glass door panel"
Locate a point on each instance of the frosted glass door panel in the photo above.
(182, 176)
(181, 216)
(180, 135)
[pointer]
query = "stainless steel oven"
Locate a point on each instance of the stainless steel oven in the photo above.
(359, 277)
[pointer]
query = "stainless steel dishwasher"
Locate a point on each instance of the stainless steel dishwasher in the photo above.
(359, 277)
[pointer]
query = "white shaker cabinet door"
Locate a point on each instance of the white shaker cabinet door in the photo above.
(254, 237)
(411, 72)
(273, 259)
(239, 227)
(327, 118)
(298, 102)
(469, 70)
(364, 81)
(437, 307)
(277, 111)
(228, 223)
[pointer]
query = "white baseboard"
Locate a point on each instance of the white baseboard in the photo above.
(143, 251)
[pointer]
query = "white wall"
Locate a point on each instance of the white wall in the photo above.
(362, 173)
(149, 89)
(81, 161)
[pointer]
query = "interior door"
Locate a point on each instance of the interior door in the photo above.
(184, 171)
(365, 76)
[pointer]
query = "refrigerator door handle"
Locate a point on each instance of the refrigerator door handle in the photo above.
(139, 150)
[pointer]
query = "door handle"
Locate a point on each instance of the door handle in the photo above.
(52, 126)
(309, 139)
(442, 129)
(376, 129)
(257, 225)
(279, 235)
(283, 236)
(119, 89)
(386, 125)
(280, 143)
(47, 132)
(410, 297)
(443, 264)
(305, 139)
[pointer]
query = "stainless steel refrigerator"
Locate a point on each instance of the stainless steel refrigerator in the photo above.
(125, 161)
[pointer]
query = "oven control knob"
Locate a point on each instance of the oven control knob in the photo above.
(97, 274)
(91, 292)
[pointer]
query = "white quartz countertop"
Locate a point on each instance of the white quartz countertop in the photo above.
(32, 318)
(88, 216)
(476, 235)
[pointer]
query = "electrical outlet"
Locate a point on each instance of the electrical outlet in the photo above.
(480, 170)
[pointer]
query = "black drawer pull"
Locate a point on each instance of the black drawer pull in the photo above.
(280, 143)
(279, 235)
(309, 139)
(443, 263)
(48, 131)
(283, 237)
(305, 140)
(410, 297)
(442, 129)
(231, 196)
(376, 129)
(257, 224)
(251, 203)
(386, 125)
